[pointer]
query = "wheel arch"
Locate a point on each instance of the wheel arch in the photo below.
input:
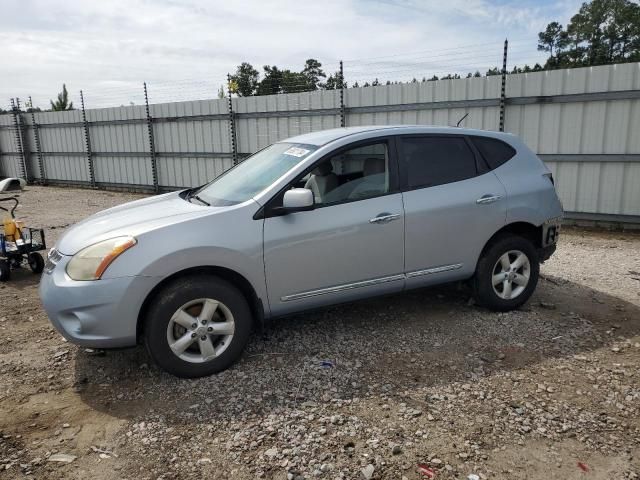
(527, 230)
(231, 276)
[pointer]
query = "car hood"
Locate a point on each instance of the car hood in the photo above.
(131, 218)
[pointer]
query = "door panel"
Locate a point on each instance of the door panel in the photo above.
(334, 254)
(446, 227)
(452, 207)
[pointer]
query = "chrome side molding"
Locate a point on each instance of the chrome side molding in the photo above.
(429, 271)
(340, 288)
(369, 283)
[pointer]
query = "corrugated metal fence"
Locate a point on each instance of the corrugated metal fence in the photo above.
(584, 123)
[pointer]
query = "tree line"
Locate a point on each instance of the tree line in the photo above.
(246, 80)
(602, 32)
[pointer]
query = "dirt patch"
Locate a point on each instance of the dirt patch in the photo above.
(549, 391)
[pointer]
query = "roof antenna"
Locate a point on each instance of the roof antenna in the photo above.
(460, 121)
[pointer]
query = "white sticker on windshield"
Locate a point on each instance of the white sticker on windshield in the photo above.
(296, 152)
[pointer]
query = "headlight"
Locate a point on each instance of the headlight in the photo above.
(91, 262)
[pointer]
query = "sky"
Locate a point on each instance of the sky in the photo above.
(183, 49)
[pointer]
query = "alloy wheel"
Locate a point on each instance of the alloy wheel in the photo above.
(511, 274)
(200, 330)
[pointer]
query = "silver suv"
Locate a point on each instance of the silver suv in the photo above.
(322, 218)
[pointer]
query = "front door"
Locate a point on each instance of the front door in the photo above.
(351, 245)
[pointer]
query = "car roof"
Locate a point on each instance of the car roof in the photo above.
(324, 137)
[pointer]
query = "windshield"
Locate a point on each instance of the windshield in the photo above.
(254, 174)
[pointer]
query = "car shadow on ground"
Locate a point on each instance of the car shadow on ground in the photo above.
(385, 345)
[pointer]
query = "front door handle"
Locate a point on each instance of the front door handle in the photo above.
(486, 199)
(385, 218)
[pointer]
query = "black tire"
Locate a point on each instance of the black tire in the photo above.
(483, 288)
(5, 271)
(175, 295)
(36, 262)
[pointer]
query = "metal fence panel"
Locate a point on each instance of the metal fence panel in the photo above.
(8, 162)
(205, 137)
(9, 166)
(56, 135)
(598, 187)
(120, 131)
(175, 172)
(118, 137)
(67, 167)
(282, 116)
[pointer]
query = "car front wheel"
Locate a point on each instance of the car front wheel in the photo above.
(507, 273)
(197, 326)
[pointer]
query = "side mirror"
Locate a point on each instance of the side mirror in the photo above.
(297, 200)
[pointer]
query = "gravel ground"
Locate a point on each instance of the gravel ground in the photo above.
(410, 386)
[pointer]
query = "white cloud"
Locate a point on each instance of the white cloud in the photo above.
(108, 48)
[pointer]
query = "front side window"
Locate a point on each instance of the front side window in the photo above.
(254, 174)
(354, 174)
(433, 160)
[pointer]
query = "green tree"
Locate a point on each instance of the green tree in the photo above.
(334, 82)
(602, 32)
(312, 73)
(554, 38)
(244, 82)
(293, 82)
(271, 83)
(62, 103)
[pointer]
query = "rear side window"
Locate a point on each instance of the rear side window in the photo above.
(495, 152)
(433, 160)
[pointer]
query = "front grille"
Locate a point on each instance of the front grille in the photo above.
(52, 260)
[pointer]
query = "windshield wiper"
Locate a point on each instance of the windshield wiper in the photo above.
(200, 200)
(191, 193)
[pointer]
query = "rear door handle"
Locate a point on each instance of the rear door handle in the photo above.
(486, 199)
(385, 218)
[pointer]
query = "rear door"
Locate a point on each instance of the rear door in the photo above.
(452, 204)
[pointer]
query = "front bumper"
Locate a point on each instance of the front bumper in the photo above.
(98, 314)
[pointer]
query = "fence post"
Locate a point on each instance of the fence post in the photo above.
(152, 145)
(36, 140)
(87, 142)
(19, 138)
(504, 85)
(342, 117)
(232, 123)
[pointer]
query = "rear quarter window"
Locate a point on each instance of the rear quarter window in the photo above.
(495, 152)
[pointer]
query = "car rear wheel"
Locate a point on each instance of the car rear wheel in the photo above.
(197, 326)
(507, 273)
